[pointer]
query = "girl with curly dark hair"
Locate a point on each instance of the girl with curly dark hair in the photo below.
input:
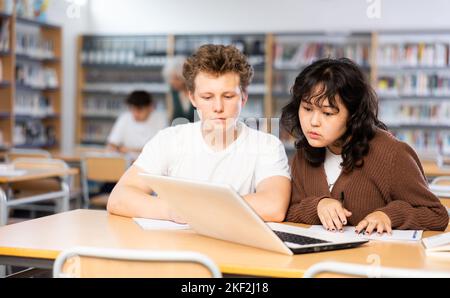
(348, 169)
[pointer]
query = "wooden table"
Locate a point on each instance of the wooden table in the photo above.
(38, 242)
(432, 170)
(76, 155)
(445, 202)
(6, 199)
(33, 174)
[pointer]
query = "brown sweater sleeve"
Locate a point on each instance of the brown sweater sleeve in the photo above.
(413, 205)
(302, 209)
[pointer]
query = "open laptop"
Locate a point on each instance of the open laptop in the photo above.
(217, 211)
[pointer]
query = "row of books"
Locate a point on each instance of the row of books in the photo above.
(136, 51)
(413, 55)
(122, 76)
(2, 141)
(33, 132)
(96, 131)
(8, 6)
(414, 84)
(298, 55)
(154, 88)
(33, 45)
(31, 9)
(258, 77)
(283, 81)
(415, 112)
(1, 70)
(129, 58)
(254, 108)
(36, 76)
(249, 45)
(426, 141)
(33, 104)
(5, 35)
(103, 106)
(125, 88)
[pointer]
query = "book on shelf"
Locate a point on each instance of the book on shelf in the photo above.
(254, 108)
(96, 131)
(103, 106)
(250, 45)
(283, 81)
(36, 76)
(415, 112)
(124, 50)
(126, 88)
(413, 55)
(32, 9)
(31, 44)
(33, 132)
(425, 141)
(446, 144)
(123, 76)
(8, 6)
(414, 84)
(33, 104)
(298, 55)
(5, 35)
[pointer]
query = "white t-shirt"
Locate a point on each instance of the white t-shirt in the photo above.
(132, 134)
(332, 167)
(181, 152)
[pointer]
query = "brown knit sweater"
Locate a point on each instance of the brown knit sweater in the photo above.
(391, 180)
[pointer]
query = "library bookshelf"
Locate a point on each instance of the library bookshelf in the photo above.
(30, 82)
(409, 70)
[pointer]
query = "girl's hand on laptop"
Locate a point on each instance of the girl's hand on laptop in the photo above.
(376, 221)
(173, 216)
(332, 215)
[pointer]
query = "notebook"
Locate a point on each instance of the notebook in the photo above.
(156, 224)
(438, 246)
(12, 173)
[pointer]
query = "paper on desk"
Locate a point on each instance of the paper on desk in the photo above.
(12, 173)
(155, 224)
(397, 235)
(438, 242)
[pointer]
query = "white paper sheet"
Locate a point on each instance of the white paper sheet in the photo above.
(397, 235)
(155, 224)
(12, 173)
(439, 241)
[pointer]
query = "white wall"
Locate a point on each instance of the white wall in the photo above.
(72, 27)
(201, 16)
(190, 16)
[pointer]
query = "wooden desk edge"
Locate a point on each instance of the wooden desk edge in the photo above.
(12, 179)
(27, 253)
(225, 268)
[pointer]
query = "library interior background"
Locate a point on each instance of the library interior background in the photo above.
(66, 66)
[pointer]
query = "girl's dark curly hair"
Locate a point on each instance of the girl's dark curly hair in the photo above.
(336, 78)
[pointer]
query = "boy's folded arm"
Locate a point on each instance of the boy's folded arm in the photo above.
(131, 198)
(271, 199)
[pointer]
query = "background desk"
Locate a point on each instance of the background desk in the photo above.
(431, 169)
(32, 174)
(38, 242)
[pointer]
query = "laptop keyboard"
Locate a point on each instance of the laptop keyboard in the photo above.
(298, 239)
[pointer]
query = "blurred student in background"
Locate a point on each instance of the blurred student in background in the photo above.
(179, 105)
(139, 124)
